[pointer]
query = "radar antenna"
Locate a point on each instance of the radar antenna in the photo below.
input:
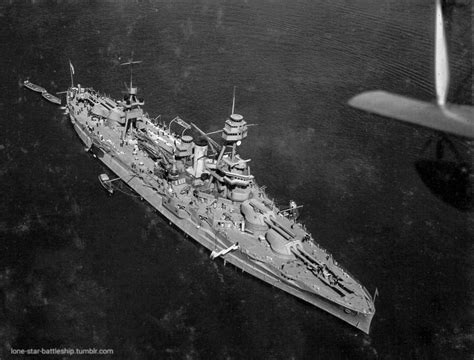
(131, 62)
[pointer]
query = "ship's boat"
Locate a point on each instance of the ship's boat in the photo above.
(33, 87)
(106, 183)
(51, 98)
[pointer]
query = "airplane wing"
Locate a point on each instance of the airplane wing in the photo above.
(453, 119)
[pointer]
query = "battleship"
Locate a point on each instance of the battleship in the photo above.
(206, 189)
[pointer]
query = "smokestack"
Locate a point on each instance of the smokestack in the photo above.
(200, 153)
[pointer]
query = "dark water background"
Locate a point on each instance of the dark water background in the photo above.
(78, 269)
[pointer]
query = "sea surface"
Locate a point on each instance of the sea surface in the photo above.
(79, 269)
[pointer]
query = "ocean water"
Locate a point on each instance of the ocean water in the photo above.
(81, 270)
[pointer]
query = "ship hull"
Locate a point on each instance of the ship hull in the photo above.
(209, 240)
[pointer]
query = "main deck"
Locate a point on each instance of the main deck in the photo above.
(217, 222)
